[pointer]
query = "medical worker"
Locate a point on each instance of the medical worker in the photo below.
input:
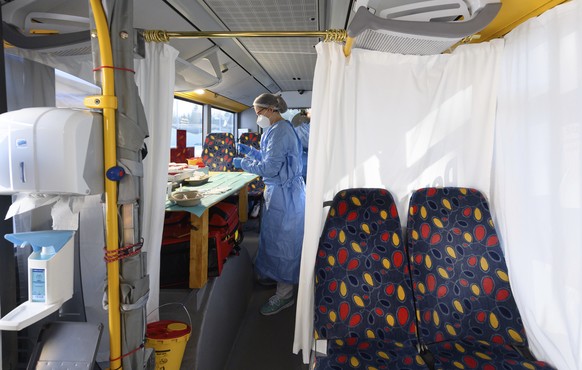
(279, 163)
(301, 124)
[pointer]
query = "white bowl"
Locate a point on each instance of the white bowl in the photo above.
(197, 180)
(186, 198)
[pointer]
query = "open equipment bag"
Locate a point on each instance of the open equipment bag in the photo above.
(175, 252)
(224, 235)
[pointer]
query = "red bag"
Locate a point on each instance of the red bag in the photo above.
(175, 253)
(176, 227)
(224, 236)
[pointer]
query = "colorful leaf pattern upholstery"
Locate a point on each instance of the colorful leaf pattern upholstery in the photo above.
(352, 353)
(218, 151)
(251, 138)
(467, 354)
(257, 186)
(363, 297)
(467, 315)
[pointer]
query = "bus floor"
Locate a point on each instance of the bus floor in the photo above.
(256, 342)
(265, 342)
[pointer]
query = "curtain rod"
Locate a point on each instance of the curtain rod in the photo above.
(165, 36)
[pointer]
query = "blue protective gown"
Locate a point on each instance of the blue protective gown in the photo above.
(279, 162)
(303, 132)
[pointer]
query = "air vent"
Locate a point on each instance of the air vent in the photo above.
(69, 51)
(58, 23)
(421, 27)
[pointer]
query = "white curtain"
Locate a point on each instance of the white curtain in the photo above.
(537, 190)
(155, 80)
(399, 122)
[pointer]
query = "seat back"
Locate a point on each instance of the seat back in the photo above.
(257, 186)
(458, 270)
(251, 139)
(362, 282)
(218, 151)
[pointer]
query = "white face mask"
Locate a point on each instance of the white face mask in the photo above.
(263, 121)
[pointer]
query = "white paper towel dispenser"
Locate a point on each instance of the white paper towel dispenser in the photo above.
(51, 151)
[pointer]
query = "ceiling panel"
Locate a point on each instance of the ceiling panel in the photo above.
(288, 45)
(292, 71)
(290, 62)
(263, 15)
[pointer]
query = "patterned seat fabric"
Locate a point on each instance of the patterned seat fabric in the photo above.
(467, 354)
(250, 138)
(218, 151)
(460, 282)
(255, 187)
(363, 296)
(369, 354)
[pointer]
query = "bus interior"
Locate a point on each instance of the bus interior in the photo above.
(443, 184)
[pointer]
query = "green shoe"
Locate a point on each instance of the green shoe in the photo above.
(275, 305)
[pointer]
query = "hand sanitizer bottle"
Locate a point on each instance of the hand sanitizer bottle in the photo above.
(38, 276)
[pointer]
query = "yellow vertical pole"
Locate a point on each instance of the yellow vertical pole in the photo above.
(108, 103)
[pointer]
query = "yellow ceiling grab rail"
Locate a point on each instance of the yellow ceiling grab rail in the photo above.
(333, 35)
(165, 36)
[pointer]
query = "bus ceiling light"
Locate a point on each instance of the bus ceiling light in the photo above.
(199, 91)
(419, 28)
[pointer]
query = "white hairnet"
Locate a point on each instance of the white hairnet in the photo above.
(272, 101)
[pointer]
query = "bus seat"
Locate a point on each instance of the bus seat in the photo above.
(466, 311)
(256, 187)
(250, 138)
(218, 151)
(363, 298)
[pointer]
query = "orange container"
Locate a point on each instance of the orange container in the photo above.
(196, 161)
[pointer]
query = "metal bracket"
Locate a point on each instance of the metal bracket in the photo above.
(101, 101)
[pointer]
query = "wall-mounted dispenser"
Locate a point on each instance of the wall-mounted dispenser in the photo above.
(52, 151)
(50, 276)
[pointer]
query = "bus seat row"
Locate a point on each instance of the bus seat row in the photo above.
(218, 152)
(257, 186)
(219, 149)
(438, 299)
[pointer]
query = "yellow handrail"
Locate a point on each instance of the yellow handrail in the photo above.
(348, 46)
(109, 105)
(333, 35)
(165, 36)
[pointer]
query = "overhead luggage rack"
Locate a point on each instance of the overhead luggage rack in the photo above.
(419, 28)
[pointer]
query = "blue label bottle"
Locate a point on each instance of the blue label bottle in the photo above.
(38, 285)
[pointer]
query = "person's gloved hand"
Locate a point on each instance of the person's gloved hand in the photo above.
(244, 149)
(237, 162)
